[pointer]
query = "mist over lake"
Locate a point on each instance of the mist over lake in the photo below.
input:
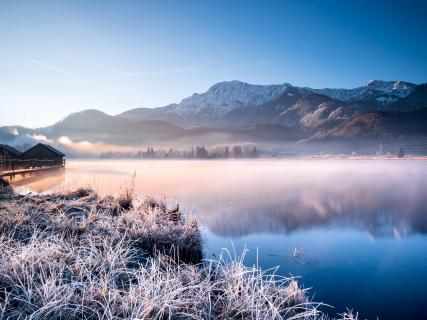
(354, 230)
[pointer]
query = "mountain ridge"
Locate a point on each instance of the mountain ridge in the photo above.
(243, 103)
(234, 111)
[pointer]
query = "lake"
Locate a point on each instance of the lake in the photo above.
(353, 230)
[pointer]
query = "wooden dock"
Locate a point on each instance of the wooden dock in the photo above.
(12, 173)
(12, 168)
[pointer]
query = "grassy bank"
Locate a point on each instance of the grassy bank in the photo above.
(81, 256)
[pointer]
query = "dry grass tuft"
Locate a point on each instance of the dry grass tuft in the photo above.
(126, 198)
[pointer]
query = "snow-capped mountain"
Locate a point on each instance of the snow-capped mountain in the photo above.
(381, 92)
(223, 97)
(234, 103)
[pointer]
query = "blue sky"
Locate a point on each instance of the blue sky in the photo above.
(58, 57)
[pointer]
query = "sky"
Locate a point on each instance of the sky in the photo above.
(58, 57)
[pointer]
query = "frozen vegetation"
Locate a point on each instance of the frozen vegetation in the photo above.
(77, 255)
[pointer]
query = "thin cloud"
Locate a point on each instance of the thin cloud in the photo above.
(43, 64)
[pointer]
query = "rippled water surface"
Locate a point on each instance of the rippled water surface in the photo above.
(355, 231)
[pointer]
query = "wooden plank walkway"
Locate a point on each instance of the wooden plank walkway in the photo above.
(13, 173)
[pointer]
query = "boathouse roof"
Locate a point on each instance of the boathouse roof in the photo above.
(10, 149)
(47, 147)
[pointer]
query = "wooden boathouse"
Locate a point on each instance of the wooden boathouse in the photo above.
(10, 153)
(39, 157)
(45, 152)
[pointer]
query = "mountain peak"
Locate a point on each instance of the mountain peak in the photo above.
(227, 95)
(383, 92)
(396, 88)
(227, 86)
(228, 83)
(384, 85)
(88, 113)
(233, 85)
(86, 116)
(378, 83)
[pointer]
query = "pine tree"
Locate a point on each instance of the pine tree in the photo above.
(254, 153)
(400, 153)
(237, 151)
(226, 152)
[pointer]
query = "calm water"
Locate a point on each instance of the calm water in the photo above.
(358, 227)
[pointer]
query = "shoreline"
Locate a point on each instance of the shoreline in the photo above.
(77, 255)
(260, 158)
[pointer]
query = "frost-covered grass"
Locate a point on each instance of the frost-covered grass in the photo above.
(82, 215)
(48, 278)
(79, 256)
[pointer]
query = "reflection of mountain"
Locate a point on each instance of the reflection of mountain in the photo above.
(279, 220)
(381, 208)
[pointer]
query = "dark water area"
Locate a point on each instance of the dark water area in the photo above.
(355, 232)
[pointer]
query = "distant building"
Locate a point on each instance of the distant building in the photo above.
(9, 153)
(44, 152)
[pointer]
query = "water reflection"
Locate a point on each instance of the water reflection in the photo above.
(41, 181)
(381, 208)
(237, 198)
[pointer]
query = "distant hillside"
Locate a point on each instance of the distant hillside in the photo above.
(93, 125)
(268, 132)
(383, 124)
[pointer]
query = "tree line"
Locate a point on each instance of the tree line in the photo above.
(197, 152)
